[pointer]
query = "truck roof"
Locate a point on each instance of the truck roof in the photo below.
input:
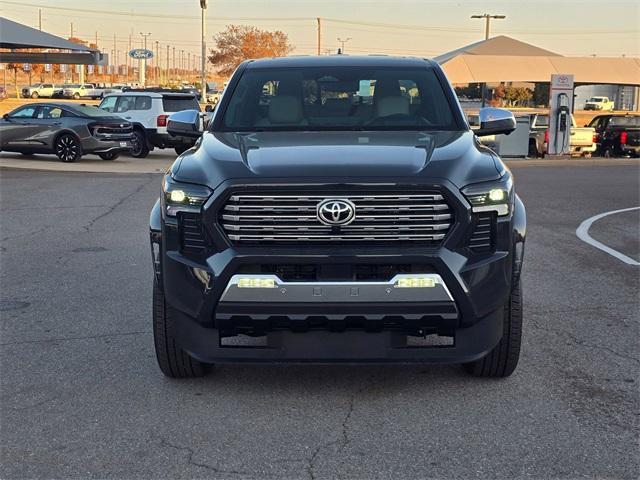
(296, 61)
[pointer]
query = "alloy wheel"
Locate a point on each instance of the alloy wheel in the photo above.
(67, 148)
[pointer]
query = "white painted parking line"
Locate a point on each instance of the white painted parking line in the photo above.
(583, 234)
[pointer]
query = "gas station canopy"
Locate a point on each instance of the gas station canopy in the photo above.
(15, 36)
(503, 59)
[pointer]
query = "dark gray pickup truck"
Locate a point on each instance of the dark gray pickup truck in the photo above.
(338, 209)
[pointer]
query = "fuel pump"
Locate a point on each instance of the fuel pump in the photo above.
(563, 122)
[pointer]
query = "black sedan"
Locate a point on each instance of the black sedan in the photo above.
(67, 130)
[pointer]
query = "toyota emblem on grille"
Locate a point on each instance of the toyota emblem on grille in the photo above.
(335, 212)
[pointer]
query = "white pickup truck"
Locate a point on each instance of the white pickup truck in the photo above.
(45, 90)
(86, 90)
(581, 139)
(599, 103)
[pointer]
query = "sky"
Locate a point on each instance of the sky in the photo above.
(424, 28)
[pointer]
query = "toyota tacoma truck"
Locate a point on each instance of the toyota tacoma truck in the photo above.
(349, 215)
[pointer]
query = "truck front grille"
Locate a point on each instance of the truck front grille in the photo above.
(380, 217)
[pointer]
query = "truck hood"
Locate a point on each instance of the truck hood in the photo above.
(339, 157)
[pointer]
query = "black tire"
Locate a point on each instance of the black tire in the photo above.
(67, 148)
(533, 149)
(607, 153)
(172, 360)
(76, 96)
(109, 155)
(35, 95)
(503, 359)
(140, 148)
(180, 149)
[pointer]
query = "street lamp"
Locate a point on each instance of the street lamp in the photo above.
(203, 64)
(342, 42)
(487, 18)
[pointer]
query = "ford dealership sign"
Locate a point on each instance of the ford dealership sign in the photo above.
(141, 54)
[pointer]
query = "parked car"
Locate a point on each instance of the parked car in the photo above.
(581, 141)
(617, 135)
(372, 228)
(69, 131)
(86, 90)
(599, 103)
(148, 111)
(3, 93)
(44, 90)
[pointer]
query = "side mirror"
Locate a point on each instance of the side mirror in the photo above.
(208, 108)
(5, 116)
(495, 121)
(185, 123)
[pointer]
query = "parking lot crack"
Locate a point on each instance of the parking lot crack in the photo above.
(113, 207)
(344, 439)
(583, 343)
(190, 459)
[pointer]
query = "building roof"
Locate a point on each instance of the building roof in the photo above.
(501, 68)
(504, 59)
(14, 35)
(500, 45)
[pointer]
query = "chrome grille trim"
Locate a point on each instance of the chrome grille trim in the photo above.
(423, 217)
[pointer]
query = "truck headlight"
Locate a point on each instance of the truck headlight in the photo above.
(183, 197)
(491, 196)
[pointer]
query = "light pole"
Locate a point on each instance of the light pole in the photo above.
(143, 67)
(203, 59)
(342, 42)
(487, 29)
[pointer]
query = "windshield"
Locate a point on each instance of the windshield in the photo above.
(338, 98)
(175, 103)
(624, 121)
(596, 99)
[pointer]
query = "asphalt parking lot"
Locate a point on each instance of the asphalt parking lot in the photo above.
(82, 397)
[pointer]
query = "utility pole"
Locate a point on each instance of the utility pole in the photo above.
(319, 35)
(71, 30)
(127, 58)
(156, 64)
(342, 42)
(167, 70)
(40, 19)
(114, 61)
(175, 71)
(487, 32)
(203, 53)
(142, 66)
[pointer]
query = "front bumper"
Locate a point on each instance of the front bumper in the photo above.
(341, 324)
(96, 145)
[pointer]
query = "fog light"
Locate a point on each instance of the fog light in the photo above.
(415, 282)
(497, 195)
(202, 275)
(256, 282)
